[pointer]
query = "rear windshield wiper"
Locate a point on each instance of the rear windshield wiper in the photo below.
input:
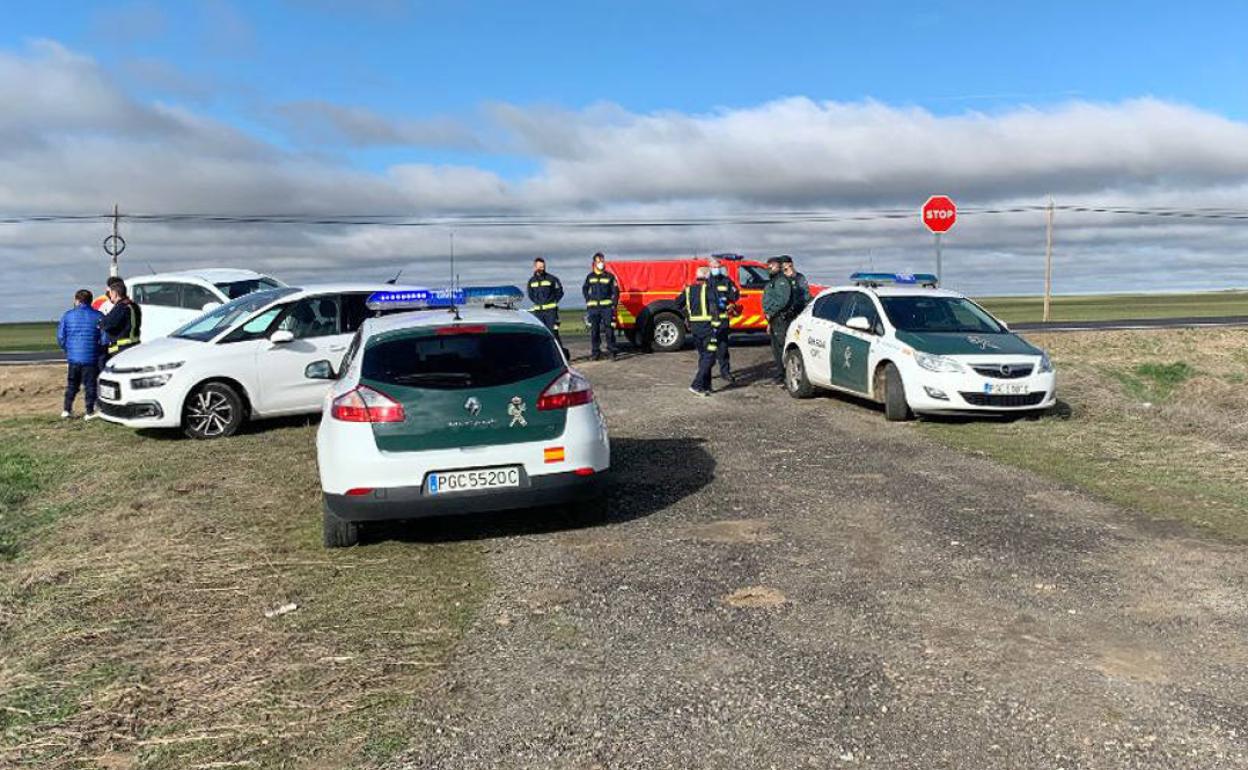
(433, 377)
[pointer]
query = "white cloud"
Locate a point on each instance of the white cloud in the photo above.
(74, 139)
(322, 122)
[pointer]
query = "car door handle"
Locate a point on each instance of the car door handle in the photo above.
(337, 348)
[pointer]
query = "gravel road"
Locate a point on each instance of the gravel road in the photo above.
(788, 584)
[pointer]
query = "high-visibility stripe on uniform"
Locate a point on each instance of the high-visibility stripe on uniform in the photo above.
(547, 306)
(535, 284)
(705, 315)
(599, 302)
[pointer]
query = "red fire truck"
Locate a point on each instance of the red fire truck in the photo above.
(650, 313)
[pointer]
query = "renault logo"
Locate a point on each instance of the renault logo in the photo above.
(472, 406)
(1005, 370)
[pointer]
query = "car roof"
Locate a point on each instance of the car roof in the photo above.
(416, 319)
(210, 274)
(895, 291)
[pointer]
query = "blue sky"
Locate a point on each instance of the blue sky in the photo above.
(627, 109)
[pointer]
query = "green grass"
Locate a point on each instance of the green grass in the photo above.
(1150, 421)
(1109, 307)
(133, 597)
(27, 336)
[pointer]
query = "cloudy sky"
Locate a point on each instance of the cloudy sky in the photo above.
(572, 120)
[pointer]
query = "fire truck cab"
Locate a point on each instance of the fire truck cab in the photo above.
(650, 313)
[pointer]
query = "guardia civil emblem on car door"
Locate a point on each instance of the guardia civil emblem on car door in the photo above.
(472, 406)
(515, 410)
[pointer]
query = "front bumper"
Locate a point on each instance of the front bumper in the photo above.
(414, 502)
(966, 393)
(143, 408)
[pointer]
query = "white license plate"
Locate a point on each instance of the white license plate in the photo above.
(1007, 388)
(445, 483)
(109, 392)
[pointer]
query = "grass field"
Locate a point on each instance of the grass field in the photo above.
(42, 336)
(1156, 421)
(177, 609)
(27, 336)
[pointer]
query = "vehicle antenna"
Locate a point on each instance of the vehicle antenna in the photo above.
(395, 279)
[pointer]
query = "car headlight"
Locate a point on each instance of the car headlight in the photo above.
(1046, 365)
(934, 363)
(155, 381)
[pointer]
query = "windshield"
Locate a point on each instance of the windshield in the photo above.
(236, 289)
(454, 361)
(214, 322)
(956, 315)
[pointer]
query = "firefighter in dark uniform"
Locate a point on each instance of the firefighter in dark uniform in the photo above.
(727, 295)
(777, 296)
(545, 291)
(705, 319)
(602, 294)
(123, 323)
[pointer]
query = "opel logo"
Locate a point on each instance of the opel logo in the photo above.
(472, 406)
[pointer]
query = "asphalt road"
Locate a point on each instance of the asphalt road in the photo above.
(56, 356)
(791, 584)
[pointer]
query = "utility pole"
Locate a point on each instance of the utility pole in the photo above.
(1048, 262)
(113, 271)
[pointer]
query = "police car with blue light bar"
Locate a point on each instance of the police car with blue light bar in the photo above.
(454, 403)
(898, 339)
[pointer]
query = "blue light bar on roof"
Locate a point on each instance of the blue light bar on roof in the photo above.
(432, 299)
(728, 257)
(896, 279)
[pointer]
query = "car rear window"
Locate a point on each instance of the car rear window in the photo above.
(461, 360)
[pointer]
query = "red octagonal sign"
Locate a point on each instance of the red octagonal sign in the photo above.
(939, 213)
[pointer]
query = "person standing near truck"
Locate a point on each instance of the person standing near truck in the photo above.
(701, 307)
(726, 296)
(777, 296)
(79, 336)
(545, 291)
(602, 293)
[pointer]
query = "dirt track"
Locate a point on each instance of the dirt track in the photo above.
(800, 584)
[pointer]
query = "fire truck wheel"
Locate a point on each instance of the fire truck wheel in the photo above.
(667, 332)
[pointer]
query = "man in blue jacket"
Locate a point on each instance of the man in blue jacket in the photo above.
(78, 334)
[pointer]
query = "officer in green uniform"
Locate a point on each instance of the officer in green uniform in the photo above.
(705, 318)
(545, 291)
(777, 295)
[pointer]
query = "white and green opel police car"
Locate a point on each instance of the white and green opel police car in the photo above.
(462, 406)
(898, 339)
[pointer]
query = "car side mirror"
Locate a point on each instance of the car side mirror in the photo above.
(319, 370)
(282, 336)
(209, 306)
(859, 323)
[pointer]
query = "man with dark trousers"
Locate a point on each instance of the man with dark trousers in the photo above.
(705, 318)
(123, 323)
(777, 296)
(79, 336)
(602, 293)
(727, 294)
(545, 291)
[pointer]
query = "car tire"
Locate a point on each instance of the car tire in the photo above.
(795, 379)
(896, 409)
(213, 410)
(667, 333)
(337, 532)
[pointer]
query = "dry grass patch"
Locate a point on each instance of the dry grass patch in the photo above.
(134, 595)
(1154, 420)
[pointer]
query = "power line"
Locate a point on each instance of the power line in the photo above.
(506, 219)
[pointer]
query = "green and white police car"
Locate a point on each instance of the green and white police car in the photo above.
(898, 339)
(462, 406)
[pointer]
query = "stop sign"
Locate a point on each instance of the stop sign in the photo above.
(939, 213)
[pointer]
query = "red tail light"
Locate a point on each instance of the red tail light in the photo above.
(363, 404)
(568, 389)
